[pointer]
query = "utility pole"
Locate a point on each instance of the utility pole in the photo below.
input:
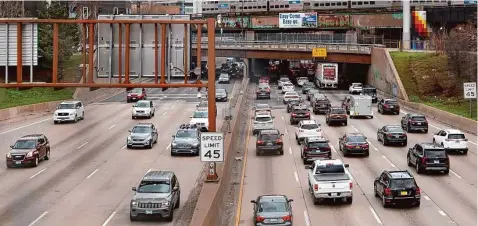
(406, 25)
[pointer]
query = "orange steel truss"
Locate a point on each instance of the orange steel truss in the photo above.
(123, 82)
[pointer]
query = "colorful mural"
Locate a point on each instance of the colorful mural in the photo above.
(419, 23)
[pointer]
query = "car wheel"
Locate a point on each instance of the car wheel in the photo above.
(150, 145)
(349, 200)
(37, 161)
(465, 152)
(132, 117)
(83, 116)
(366, 154)
(132, 218)
(409, 129)
(416, 204)
(176, 206)
(384, 203)
(425, 131)
(404, 144)
(384, 142)
(47, 155)
(447, 171)
(55, 122)
(375, 191)
(316, 201)
(128, 101)
(76, 118)
(129, 146)
(434, 140)
(418, 168)
(258, 153)
(409, 163)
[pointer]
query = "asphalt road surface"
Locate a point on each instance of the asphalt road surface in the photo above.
(89, 177)
(446, 199)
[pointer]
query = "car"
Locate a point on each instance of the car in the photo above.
(452, 140)
(414, 122)
(301, 81)
(397, 187)
(336, 115)
(428, 157)
(263, 91)
(311, 93)
(69, 111)
(392, 134)
(355, 88)
(282, 81)
(272, 209)
(142, 135)
(291, 96)
(29, 150)
(314, 148)
(157, 194)
(262, 122)
(186, 140)
(200, 118)
(354, 144)
(299, 113)
(224, 78)
(204, 105)
(307, 86)
(371, 91)
(388, 106)
(143, 108)
(262, 107)
(136, 94)
(330, 179)
(287, 87)
(264, 79)
(315, 97)
(291, 104)
(307, 128)
(321, 105)
(269, 141)
(221, 95)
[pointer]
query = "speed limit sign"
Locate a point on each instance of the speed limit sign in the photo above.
(212, 147)
(469, 89)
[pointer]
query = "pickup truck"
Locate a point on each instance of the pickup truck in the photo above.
(330, 179)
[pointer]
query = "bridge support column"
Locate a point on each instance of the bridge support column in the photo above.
(406, 25)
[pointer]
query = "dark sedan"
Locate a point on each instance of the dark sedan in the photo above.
(291, 104)
(272, 210)
(392, 134)
(311, 93)
(388, 106)
(354, 144)
(221, 95)
(307, 86)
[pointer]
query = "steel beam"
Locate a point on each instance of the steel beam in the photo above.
(156, 54)
(120, 52)
(163, 53)
(67, 21)
(126, 54)
(83, 54)
(55, 54)
(185, 51)
(107, 85)
(211, 59)
(91, 52)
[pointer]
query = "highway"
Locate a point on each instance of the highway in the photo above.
(446, 199)
(89, 177)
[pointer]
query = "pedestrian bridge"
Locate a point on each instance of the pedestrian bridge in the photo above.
(340, 52)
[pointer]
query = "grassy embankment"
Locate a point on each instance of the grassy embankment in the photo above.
(414, 68)
(13, 97)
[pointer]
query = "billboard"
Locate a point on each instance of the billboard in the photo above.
(386, 20)
(334, 21)
(265, 22)
(236, 22)
(298, 20)
(8, 44)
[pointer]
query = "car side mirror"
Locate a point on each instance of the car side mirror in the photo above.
(346, 165)
(175, 188)
(273, 117)
(133, 188)
(11, 146)
(291, 200)
(78, 107)
(253, 201)
(173, 136)
(133, 106)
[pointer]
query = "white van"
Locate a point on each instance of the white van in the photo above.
(361, 106)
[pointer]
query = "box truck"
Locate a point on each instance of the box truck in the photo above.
(327, 75)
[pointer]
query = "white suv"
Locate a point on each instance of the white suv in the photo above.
(287, 87)
(143, 108)
(452, 140)
(356, 88)
(307, 128)
(262, 122)
(69, 111)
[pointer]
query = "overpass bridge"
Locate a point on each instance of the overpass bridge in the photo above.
(336, 52)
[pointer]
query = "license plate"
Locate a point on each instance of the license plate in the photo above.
(18, 162)
(457, 141)
(391, 106)
(419, 123)
(357, 146)
(274, 220)
(403, 193)
(436, 161)
(134, 98)
(333, 194)
(149, 211)
(269, 144)
(397, 136)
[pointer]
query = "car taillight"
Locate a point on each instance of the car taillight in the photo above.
(260, 142)
(351, 185)
(387, 191)
(417, 191)
(316, 187)
(365, 145)
(307, 113)
(294, 114)
(424, 160)
(268, 90)
(260, 219)
(279, 141)
(405, 135)
(287, 218)
(349, 146)
(385, 105)
(389, 135)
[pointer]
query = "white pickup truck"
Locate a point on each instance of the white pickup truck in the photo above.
(330, 179)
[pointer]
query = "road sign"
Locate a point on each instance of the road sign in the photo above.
(319, 52)
(469, 89)
(212, 147)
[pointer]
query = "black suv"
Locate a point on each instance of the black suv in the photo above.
(186, 140)
(314, 148)
(291, 104)
(321, 106)
(395, 187)
(299, 113)
(269, 141)
(354, 143)
(388, 106)
(428, 157)
(413, 122)
(28, 150)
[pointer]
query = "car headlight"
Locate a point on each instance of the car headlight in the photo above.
(56, 114)
(129, 138)
(174, 144)
(30, 154)
(196, 144)
(165, 203)
(149, 137)
(134, 204)
(72, 113)
(9, 155)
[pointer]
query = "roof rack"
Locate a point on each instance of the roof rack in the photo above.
(188, 126)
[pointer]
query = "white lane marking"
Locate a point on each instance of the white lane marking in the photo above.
(173, 106)
(282, 118)
(82, 145)
(290, 151)
(286, 131)
(169, 145)
(472, 143)
(177, 100)
(123, 147)
(427, 198)
(403, 112)
(165, 113)
(354, 128)
(389, 162)
(113, 126)
(109, 219)
(441, 212)
(436, 127)
(312, 117)
(233, 89)
(332, 147)
(456, 174)
(375, 214)
(91, 174)
(36, 174)
(21, 127)
(38, 218)
(306, 217)
(296, 176)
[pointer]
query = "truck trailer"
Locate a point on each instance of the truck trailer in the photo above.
(327, 75)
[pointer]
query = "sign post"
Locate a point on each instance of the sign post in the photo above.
(212, 151)
(469, 91)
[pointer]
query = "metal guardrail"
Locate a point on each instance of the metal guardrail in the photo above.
(302, 46)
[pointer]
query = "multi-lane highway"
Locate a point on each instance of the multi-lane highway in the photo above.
(88, 179)
(446, 199)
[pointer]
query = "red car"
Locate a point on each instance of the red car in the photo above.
(136, 94)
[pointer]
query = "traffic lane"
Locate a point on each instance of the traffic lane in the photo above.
(187, 169)
(460, 199)
(358, 213)
(269, 175)
(38, 193)
(366, 169)
(106, 184)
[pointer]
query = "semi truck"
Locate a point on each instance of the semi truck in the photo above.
(327, 75)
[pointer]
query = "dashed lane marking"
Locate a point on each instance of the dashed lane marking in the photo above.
(375, 215)
(442, 213)
(173, 106)
(38, 218)
(91, 174)
(123, 147)
(456, 174)
(109, 219)
(282, 118)
(306, 217)
(296, 177)
(21, 127)
(113, 126)
(169, 145)
(165, 113)
(290, 151)
(389, 162)
(82, 145)
(36, 174)
(426, 198)
(286, 131)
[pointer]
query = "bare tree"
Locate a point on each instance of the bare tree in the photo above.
(11, 9)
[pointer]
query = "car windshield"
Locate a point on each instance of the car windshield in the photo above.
(263, 119)
(224, 76)
(308, 84)
(313, 91)
(395, 129)
(391, 102)
(435, 153)
(292, 96)
(370, 91)
(330, 168)
(141, 129)
(265, 86)
(357, 85)
(186, 134)
(337, 111)
(309, 126)
(356, 139)
(419, 118)
(25, 144)
(272, 207)
(402, 183)
(288, 85)
(294, 102)
(456, 136)
(143, 105)
(262, 106)
(318, 145)
(269, 136)
(284, 80)
(66, 106)
(202, 104)
(220, 91)
(136, 90)
(322, 102)
(200, 114)
(154, 187)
